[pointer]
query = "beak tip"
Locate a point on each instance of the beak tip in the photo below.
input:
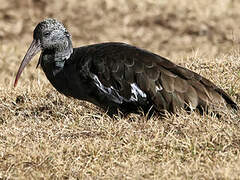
(15, 84)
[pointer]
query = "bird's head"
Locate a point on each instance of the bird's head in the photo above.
(49, 36)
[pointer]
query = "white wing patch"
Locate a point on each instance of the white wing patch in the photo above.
(158, 88)
(100, 86)
(136, 92)
(108, 90)
(113, 93)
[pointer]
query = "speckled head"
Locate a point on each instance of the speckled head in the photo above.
(52, 37)
(48, 24)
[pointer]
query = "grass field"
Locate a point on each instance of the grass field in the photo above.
(46, 135)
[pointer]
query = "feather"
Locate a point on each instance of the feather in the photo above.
(129, 75)
(152, 72)
(167, 82)
(180, 85)
(138, 67)
(191, 97)
(129, 62)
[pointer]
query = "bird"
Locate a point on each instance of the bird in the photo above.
(119, 77)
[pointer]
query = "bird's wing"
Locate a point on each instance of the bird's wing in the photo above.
(131, 70)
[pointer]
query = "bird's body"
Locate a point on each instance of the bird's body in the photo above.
(82, 78)
(118, 76)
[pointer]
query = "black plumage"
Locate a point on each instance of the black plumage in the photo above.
(118, 76)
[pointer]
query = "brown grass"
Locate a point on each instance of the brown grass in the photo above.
(46, 135)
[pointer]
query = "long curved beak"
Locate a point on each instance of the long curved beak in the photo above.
(34, 48)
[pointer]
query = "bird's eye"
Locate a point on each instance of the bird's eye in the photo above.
(46, 33)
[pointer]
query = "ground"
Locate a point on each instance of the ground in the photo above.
(46, 135)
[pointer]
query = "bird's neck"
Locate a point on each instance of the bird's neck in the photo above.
(57, 56)
(63, 53)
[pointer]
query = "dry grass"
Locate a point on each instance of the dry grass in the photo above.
(46, 135)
